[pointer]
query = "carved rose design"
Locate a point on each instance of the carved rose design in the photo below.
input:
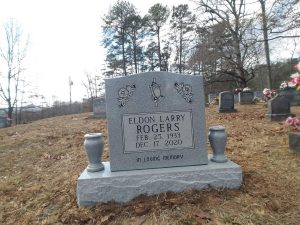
(125, 93)
(185, 90)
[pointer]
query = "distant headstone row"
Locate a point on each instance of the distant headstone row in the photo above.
(227, 100)
(279, 108)
(244, 98)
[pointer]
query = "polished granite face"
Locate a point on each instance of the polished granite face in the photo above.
(155, 120)
(246, 97)
(226, 102)
(99, 106)
(279, 108)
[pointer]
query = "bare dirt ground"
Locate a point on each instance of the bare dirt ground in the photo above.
(40, 163)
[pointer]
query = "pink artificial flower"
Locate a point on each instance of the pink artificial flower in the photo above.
(290, 121)
(298, 80)
(294, 75)
(266, 91)
(296, 122)
(283, 85)
(292, 83)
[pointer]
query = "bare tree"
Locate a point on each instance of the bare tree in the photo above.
(94, 85)
(282, 17)
(229, 31)
(19, 108)
(12, 53)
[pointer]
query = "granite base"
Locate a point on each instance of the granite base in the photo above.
(279, 117)
(227, 110)
(123, 186)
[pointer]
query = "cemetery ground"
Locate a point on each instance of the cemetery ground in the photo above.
(40, 163)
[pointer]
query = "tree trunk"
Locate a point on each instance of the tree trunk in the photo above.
(158, 44)
(266, 43)
(180, 52)
(240, 69)
(123, 54)
(134, 56)
(10, 111)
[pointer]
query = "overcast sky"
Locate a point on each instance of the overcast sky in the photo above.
(64, 40)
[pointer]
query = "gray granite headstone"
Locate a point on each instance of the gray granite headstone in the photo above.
(292, 95)
(226, 102)
(279, 108)
(99, 107)
(246, 97)
(157, 141)
(258, 94)
(236, 98)
(211, 97)
(3, 122)
(155, 120)
(296, 100)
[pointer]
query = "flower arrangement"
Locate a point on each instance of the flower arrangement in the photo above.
(268, 94)
(294, 81)
(294, 123)
(237, 90)
(247, 89)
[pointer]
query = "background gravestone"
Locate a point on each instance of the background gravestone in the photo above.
(3, 118)
(279, 108)
(99, 107)
(292, 95)
(211, 97)
(3, 122)
(258, 94)
(226, 102)
(155, 119)
(236, 98)
(246, 97)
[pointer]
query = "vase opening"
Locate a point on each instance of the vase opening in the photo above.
(218, 127)
(93, 135)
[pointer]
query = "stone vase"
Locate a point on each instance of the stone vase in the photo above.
(217, 138)
(294, 141)
(93, 145)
